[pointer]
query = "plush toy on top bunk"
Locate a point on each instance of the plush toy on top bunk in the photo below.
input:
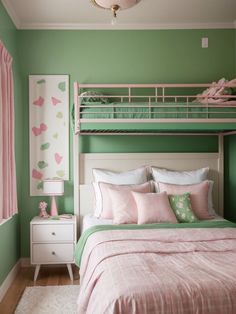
(218, 92)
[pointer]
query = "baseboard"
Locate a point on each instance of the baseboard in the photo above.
(9, 279)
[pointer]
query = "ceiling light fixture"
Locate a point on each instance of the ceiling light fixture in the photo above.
(115, 5)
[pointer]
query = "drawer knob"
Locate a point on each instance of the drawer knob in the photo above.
(53, 253)
(53, 233)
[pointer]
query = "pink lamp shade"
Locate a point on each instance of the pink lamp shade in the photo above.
(53, 187)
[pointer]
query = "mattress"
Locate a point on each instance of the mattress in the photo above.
(158, 110)
(90, 220)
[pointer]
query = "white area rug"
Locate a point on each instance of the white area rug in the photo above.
(48, 300)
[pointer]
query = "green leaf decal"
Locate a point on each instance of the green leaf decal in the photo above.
(42, 164)
(40, 185)
(45, 146)
(62, 86)
(41, 81)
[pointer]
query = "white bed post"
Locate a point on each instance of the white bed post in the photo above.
(221, 173)
(76, 160)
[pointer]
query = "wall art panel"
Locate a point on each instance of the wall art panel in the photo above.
(49, 129)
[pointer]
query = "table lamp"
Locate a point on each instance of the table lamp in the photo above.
(53, 187)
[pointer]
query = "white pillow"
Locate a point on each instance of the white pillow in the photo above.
(136, 176)
(180, 177)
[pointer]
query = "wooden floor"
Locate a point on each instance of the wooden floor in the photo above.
(48, 276)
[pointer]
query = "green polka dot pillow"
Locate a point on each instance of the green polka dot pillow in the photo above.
(182, 208)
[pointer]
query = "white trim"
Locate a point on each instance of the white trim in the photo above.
(77, 26)
(3, 221)
(9, 279)
(12, 13)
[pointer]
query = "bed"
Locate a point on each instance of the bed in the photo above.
(123, 266)
(153, 267)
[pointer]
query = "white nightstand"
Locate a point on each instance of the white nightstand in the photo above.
(52, 242)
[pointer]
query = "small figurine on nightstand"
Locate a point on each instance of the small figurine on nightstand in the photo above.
(43, 213)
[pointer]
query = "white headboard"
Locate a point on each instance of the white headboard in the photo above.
(127, 161)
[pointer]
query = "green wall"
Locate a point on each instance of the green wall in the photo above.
(9, 231)
(230, 177)
(230, 166)
(171, 56)
(129, 56)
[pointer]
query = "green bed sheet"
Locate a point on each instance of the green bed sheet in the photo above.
(200, 224)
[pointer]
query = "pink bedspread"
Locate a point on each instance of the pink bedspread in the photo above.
(165, 271)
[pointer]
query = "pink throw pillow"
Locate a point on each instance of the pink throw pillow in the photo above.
(198, 196)
(109, 204)
(153, 208)
(123, 206)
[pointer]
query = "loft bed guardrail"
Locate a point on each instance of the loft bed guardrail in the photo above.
(120, 108)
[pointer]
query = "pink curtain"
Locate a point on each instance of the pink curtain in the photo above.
(8, 195)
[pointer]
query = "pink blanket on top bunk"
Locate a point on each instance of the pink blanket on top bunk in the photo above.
(168, 271)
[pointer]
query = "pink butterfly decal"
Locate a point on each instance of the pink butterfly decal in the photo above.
(55, 101)
(38, 131)
(39, 102)
(36, 174)
(58, 158)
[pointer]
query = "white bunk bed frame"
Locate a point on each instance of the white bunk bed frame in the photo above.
(213, 106)
(84, 163)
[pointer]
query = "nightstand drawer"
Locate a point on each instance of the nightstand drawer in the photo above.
(52, 253)
(53, 232)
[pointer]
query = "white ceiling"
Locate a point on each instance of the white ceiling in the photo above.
(148, 14)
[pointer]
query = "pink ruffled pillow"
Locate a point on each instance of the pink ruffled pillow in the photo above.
(153, 208)
(198, 196)
(110, 203)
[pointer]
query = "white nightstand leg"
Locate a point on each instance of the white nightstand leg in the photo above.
(36, 272)
(70, 271)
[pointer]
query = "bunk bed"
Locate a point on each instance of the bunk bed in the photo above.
(154, 107)
(154, 268)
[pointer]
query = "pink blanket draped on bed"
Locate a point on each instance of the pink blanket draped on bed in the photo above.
(173, 271)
